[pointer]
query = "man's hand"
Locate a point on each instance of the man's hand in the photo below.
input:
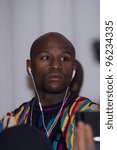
(83, 137)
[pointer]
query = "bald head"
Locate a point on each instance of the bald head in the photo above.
(52, 54)
(51, 40)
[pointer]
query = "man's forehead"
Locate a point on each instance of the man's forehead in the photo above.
(51, 40)
(55, 51)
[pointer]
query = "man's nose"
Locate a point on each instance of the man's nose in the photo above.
(55, 63)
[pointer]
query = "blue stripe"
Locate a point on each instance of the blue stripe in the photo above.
(63, 118)
(50, 123)
(54, 145)
(84, 104)
(69, 139)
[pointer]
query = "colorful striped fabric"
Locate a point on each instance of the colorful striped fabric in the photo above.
(67, 119)
(17, 117)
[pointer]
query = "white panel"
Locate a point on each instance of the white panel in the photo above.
(6, 78)
(86, 30)
(22, 21)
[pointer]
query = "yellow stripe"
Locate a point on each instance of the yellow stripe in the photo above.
(64, 124)
(86, 106)
(73, 105)
(27, 117)
(72, 136)
(17, 115)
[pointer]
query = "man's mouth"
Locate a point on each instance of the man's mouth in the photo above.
(55, 77)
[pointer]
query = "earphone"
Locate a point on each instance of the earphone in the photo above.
(29, 70)
(73, 74)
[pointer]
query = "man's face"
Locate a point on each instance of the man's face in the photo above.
(53, 65)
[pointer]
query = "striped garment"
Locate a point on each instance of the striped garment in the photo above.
(63, 133)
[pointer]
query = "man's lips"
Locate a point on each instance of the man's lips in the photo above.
(55, 77)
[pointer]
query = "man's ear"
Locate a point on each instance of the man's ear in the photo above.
(28, 66)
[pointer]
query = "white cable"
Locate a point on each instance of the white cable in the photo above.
(39, 103)
(58, 115)
(48, 132)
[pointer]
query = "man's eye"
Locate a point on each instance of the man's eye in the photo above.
(65, 59)
(45, 58)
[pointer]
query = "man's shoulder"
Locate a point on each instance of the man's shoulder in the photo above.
(23, 107)
(85, 104)
(16, 117)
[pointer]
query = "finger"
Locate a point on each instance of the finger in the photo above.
(89, 137)
(81, 136)
(75, 142)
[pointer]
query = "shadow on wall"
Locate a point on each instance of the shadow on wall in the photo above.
(96, 50)
(78, 78)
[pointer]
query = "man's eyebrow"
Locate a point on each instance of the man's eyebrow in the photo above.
(68, 52)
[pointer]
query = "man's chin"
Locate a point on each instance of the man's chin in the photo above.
(56, 90)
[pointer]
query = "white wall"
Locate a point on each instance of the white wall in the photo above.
(22, 21)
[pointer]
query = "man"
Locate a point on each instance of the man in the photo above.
(52, 110)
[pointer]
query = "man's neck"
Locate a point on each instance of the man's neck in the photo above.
(49, 99)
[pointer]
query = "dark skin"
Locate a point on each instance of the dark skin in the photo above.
(52, 63)
(52, 60)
